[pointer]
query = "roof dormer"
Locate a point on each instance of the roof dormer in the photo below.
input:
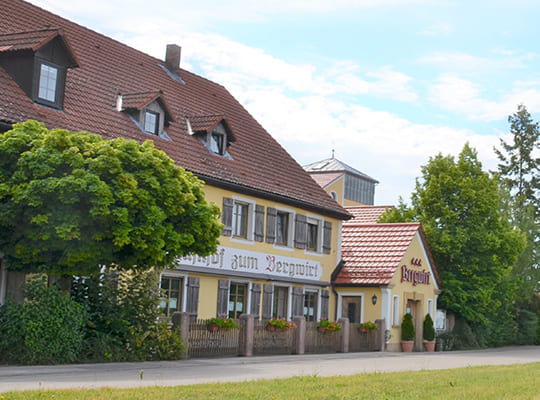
(213, 131)
(149, 110)
(38, 62)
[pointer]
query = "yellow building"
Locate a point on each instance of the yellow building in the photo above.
(280, 241)
(346, 185)
(388, 271)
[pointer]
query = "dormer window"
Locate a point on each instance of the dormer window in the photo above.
(148, 110)
(151, 122)
(217, 144)
(213, 131)
(38, 62)
(48, 80)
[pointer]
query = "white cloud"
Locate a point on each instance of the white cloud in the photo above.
(466, 98)
(440, 29)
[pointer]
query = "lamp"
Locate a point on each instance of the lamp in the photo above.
(374, 299)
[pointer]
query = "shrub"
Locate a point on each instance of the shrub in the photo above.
(407, 328)
(429, 330)
(527, 325)
(47, 328)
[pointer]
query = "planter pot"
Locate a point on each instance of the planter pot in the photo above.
(270, 328)
(407, 346)
(362, 330)
(212, 327)
(429, 346)
(321, 329)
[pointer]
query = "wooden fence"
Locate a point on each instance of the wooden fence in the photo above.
(253, 338)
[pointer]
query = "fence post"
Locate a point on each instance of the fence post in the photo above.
(381, 333)
(345, 334)
(248, 330)
(299, 334)
(180, 321)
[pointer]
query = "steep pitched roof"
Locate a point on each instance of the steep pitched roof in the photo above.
(334, 165)
(258, 164)
(372, 252)
(325, 179)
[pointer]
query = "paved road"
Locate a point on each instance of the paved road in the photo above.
(169, 373)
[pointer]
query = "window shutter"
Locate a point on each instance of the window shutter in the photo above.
(223, 298)
(300, 232)
(255, 300)
(226, 216)
(268, 290)
(192, 303)
(271, 214)
(259, 223)
(327, 239)
(325, 294)
(297, 301)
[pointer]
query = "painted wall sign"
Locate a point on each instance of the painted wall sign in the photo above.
(416, 277)
(231, 259)
(416, 261)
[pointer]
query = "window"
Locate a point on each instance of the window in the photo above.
(237, 300)
(310, 306)
(48, 79)
(151, 122)
(312, 236)
(395, 311)
(217, 143)
(352, 307)
(279, 309)
(282, 228)
(240, 216)
(171, 291)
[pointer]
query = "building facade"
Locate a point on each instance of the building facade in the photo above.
(280, 241)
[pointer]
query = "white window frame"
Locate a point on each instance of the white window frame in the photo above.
(352, 294)
(395, 310)
(316, 290)
(319, 221)
(248, 295)
(177, 275)
(250, 225)
(46, 84)
(289, 299)
(291, 232)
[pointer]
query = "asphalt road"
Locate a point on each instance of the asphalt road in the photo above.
(172, 373)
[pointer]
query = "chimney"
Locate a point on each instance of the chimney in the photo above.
(172, 58)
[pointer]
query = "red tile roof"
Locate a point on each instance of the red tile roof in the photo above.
(373, 252)
(259, 165)
(367, 214)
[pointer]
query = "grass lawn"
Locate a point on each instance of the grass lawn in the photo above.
(493, 382)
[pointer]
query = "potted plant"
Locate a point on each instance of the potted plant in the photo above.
(367, 326)
(407, 333)
(276, 324)
(324, 325)
(221, 324)
(428, 334)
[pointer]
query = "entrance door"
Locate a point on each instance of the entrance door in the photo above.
(412, 308)
(352, 308)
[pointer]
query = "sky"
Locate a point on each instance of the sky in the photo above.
(382, 84)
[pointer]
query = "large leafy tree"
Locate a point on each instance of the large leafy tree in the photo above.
(473, 245)
(519, 173)
(70, 202)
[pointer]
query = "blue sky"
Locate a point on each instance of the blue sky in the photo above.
(386, 83)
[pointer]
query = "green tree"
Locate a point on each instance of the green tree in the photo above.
(70, 202)
(473, 245)
(519, 173)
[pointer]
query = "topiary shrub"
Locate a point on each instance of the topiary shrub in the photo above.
(429, 330)
(47, 328)
(407, 328)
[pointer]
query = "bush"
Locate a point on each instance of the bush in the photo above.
(47, 328)
(407, 328)
(527, 325)
(429, 330)
(123, 310)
